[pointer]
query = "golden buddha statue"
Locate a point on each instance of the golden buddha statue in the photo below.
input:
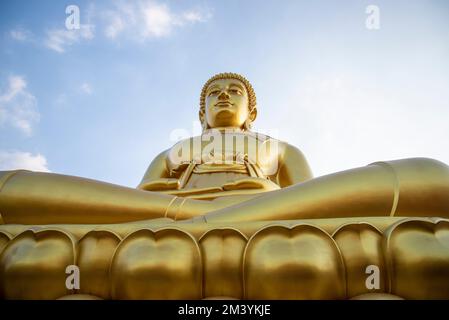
(215, 214)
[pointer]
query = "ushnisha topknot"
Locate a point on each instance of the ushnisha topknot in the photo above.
(228, 75)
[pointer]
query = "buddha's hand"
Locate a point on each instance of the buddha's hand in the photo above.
(251, 183)
(160, 184)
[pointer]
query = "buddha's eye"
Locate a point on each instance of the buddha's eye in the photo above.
(214, 93)
(235, 91)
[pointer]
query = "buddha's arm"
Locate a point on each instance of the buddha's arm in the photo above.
(293, 166)
(157, 177)
(409, 187)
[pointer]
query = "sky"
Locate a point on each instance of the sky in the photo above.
(347, 82)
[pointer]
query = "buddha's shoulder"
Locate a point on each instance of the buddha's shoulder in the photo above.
(162, 156)
(292, 152)
(282, 145)
(287, 146)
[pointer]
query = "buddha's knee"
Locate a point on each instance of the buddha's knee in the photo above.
(421, 186)
(6, 175)
(418, 170)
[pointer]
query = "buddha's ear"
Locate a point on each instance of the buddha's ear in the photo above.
(253, 114)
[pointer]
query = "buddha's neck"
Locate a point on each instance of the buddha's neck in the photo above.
(224, 130)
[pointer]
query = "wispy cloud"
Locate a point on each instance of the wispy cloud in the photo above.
(196, 16)
(60, 100)
(149, 19)
(158, 20)
(115, 26)
(118, 19)
(18, 107)
(139, 21)
(20, 34)
(23, 160)
(59, 39)
(86, 88)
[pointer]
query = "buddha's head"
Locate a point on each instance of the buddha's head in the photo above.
(227, 101)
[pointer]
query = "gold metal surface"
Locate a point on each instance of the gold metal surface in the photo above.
(157, 265)
(229, 213)
(302, 262)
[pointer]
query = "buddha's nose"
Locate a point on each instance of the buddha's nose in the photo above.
(223, 96)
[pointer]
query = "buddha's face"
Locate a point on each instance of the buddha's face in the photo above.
(226, 104)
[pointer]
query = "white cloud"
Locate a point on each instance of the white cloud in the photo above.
(158, 19)
(59, 39)
(18, 107)
(86, 88)
(149, 19)
(196, 16)
(115, 26)
(60, 100)
(20, 34)
(22, 160)
(119, 19)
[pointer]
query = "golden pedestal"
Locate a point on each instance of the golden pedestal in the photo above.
(301, 259)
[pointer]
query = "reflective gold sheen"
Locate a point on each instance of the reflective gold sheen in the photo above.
(230, 213)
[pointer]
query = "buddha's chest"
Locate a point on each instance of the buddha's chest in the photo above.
(233, 152)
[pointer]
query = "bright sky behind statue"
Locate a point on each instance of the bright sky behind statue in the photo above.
(103, 100)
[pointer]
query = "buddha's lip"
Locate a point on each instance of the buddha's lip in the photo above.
(222, 103)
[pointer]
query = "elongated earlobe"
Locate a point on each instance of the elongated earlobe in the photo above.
(253, 114)
(204, 125)
(201, 116)
(247, 125)
(202, 120)
(251, 117)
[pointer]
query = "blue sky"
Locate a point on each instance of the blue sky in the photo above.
(103, 101)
